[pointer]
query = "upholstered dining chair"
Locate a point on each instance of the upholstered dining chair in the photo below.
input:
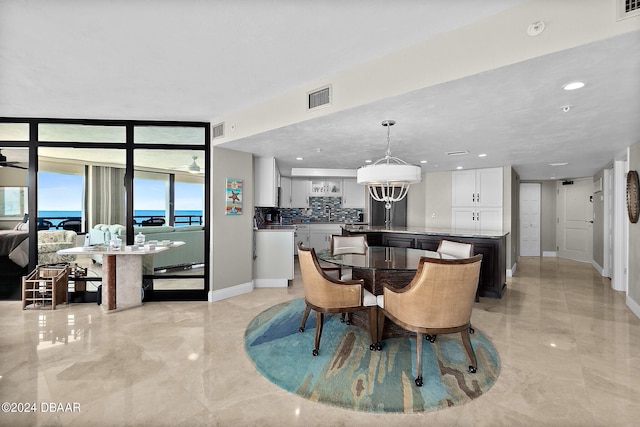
(438, 300)
(324, 294)
(456, 250)
(340, 245)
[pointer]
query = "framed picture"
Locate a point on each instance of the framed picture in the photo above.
(233, 193)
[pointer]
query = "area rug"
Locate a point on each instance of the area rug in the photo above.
(349, 375)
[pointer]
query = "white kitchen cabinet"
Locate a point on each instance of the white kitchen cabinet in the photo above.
(320, 235)
(477, 219)
(476, 199)
(274, 263)
(299, 193)
(285, 192)
(477, 187)
(353, 194)
(265, 178)
(325, 188)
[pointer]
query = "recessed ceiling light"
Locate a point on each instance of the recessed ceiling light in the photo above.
(367, 161)
(552, 177)
(423, 161)
(299, 158)
(559, 164)
(573, 86)
(459, 167)
(482, 155)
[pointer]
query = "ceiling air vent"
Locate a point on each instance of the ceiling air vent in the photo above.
(319, 98)
(218, 131)
(628, 8)
(457, 153)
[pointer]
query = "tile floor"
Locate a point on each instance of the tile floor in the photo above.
(570, 352)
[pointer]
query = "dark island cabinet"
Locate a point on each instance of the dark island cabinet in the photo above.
(493, 272)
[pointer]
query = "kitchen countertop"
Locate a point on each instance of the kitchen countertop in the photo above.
(276, 227)
(429, 231)
(292, 226)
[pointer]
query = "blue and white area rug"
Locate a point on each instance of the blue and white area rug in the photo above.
(349, 375)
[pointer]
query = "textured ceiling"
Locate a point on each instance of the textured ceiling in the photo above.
(203, 60)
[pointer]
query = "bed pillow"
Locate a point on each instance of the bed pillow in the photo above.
(22, 226)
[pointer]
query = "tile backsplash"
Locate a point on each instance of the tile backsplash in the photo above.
(318, 211)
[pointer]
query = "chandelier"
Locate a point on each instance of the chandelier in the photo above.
(389, 178)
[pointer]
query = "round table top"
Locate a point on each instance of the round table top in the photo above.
(381, 257)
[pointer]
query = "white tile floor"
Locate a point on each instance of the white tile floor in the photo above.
(569, 347)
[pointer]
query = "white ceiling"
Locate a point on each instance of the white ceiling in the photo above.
(206, 60)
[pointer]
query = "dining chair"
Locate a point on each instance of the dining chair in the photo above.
(438, 300)
(456, 250)
(326, 295)
(341, 245)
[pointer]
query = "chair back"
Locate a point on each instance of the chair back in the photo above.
(441, 294)
(455, 249)
(348, 245)
(323, 291)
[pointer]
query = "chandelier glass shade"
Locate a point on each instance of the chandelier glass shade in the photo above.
(389, 178)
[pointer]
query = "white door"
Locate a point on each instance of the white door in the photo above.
(530, 219)
(575, 220)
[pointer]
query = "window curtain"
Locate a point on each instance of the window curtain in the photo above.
(107, 199)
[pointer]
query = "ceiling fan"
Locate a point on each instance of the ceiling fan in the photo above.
(4, 163)
(193, 167)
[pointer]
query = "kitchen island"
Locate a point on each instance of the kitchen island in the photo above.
(492, 246)
(273, 256)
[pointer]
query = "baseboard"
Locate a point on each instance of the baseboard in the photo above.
(511, 271)
(230, 292)
(549, 253)
(633, 306)
(271, 283)
(597, 267)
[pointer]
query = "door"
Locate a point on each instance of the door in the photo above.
(530, 219)
(575, 220)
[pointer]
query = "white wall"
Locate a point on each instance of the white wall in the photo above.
(231, 235)
(634, 242)
(438, 199)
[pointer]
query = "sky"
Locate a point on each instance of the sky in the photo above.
(149, 194)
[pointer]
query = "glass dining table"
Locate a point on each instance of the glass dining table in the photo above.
(381, 265)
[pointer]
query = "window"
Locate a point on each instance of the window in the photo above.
(60, 196)
(13, 201)
(150, 196)
(189, 203)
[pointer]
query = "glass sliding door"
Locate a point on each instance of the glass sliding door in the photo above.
(168, 200)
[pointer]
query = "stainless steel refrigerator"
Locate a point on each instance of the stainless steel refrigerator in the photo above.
(398, 213)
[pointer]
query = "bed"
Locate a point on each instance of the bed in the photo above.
(14, 261)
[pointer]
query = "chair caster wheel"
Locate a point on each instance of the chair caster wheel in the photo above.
(472, 331)
(348, 322)
(314, 352)
(430, 338)
(301, 329)
(342, 319)
(419, 381)
(379, 346)
(472, 369)
(372, 347)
